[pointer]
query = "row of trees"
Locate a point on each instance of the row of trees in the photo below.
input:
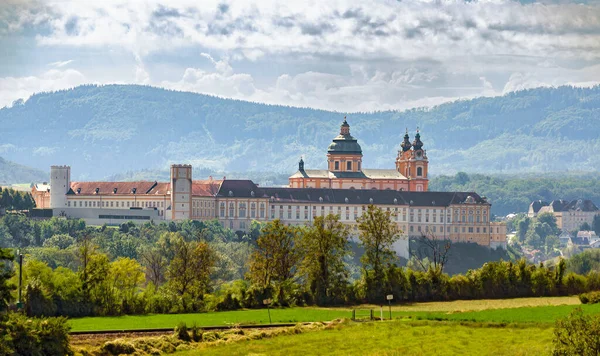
(511, 193)
(11, 199)
(176, 282)
(189, 266)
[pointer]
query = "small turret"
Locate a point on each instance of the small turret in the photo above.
(345, 128)
(406, 145)
(417, 144)
(301, 165)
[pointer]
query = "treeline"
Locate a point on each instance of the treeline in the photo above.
(11, 199)
(188, 267)
(513, 194)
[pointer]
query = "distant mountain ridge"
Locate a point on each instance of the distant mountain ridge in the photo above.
(11, 172)
(107, 130)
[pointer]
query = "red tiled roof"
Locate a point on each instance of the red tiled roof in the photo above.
(199, 188)
(206, 188)
(108, 188)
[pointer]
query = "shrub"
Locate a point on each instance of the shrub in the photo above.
(118, 347)
(590, 298)
(196, 333)
(34, 336)
(578, 334)
(181, 332)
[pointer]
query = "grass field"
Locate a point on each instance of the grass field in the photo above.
(485, 304)
(258, 316)
(528, 310)
(396, 338)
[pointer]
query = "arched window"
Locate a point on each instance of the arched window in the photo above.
(419, 171)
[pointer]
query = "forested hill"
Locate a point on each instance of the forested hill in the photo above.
(105, 130)
(11, 172)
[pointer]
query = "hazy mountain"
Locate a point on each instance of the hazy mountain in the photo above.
(11, 172)
(106, 130)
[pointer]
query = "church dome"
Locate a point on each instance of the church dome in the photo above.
(344, 143)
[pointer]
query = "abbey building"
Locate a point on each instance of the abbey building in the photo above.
(344, 189)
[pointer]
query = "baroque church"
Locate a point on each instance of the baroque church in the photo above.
(345, 171)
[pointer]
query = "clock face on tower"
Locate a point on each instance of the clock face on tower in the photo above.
(419, 153)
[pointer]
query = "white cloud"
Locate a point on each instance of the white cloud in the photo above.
(222, 82)
(60, 64)
(346, 55)
(7, 147)
(520, 81)
(13, 88)
(351, 28)
(44, 151)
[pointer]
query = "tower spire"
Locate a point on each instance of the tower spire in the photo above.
(417, 144)
(345, 128)
(406, 143)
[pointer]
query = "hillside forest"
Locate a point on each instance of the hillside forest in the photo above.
(105, 130)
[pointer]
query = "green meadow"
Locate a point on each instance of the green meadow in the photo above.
(439, 311)
(395, 338)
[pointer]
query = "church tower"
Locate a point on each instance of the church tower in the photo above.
(412, 163)
(344, 153)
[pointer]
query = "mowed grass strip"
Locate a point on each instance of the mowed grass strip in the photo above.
(254, 316)
(543, 315)
(396, 338)
(484, 304)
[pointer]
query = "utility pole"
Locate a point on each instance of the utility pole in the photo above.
(20, 301)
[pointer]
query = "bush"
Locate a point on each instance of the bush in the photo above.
(181, 332)
(578, 334)
(35, 336)
(196, 333)
(118, 347)
(590, 298)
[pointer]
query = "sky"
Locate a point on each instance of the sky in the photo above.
(347, 56)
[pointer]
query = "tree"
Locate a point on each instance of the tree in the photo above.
(324, 247)
(17, 201)
(377, 235)
(596, 224)
(578, 334)
(5, 275)
(93, 273)
(6, 200)
(435, 251)
(189, 271)
(585, 227)
(276, 258)
(523, 227)
(60, 241)
(127, 276)
(156, 264)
